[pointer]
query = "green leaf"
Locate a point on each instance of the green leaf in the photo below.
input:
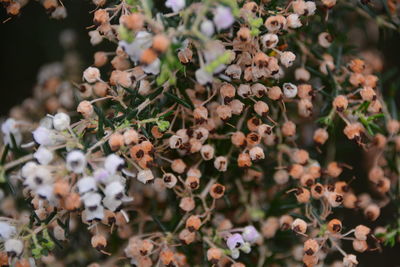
(177, 99)
(101, 115)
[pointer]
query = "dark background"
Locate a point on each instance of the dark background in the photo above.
(32, 39)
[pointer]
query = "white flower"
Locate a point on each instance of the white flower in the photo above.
(91, 200)
(91, 75)
(287, 58)
(111, 203)
(223, 17)
(175, 5)
(76, 161)
(203, 77)
(113, 163)
(95, 213)
(289, 90)
(41, 176)
(235, 241)
(145, 176)
(61, 121)
(28, 169)
(10, 127)
(221, 163)
(153, 68)
(43, 136)
(86, 184)
(115, 190)
(14, 247)
(43, 155)
(45, 191)
(207, 28)
(6, 230)
(293, 21)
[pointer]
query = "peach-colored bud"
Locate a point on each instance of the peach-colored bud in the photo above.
(85, 108)
(116, 141)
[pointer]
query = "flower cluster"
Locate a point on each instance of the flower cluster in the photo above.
(211, 130)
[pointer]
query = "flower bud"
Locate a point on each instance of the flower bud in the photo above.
(187, 204)
(311, 247)
(91, 75)
(85, 108)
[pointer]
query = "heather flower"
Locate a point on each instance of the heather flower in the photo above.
(6, 230)
(43, 155)
(113, 163)
(235, 241)
(223, 17)
(175, 5)
(86, 184)
(14, 247)
(293, 21)
(207, 28)
(9, 127)
(61, 121)
(44, 136)
(91, 75)
(287, 58)
(76, 161)
(143, 40)
(289, 90)
(145, 176)
(250, 234)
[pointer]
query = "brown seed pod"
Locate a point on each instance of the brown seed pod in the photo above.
(214, 255)
(217, 191)
(311, 247)
(334, 226)
(302, 195)
(193, 223)
(299, 226)
(99, 242)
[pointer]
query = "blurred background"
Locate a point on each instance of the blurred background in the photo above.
(32, 40)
